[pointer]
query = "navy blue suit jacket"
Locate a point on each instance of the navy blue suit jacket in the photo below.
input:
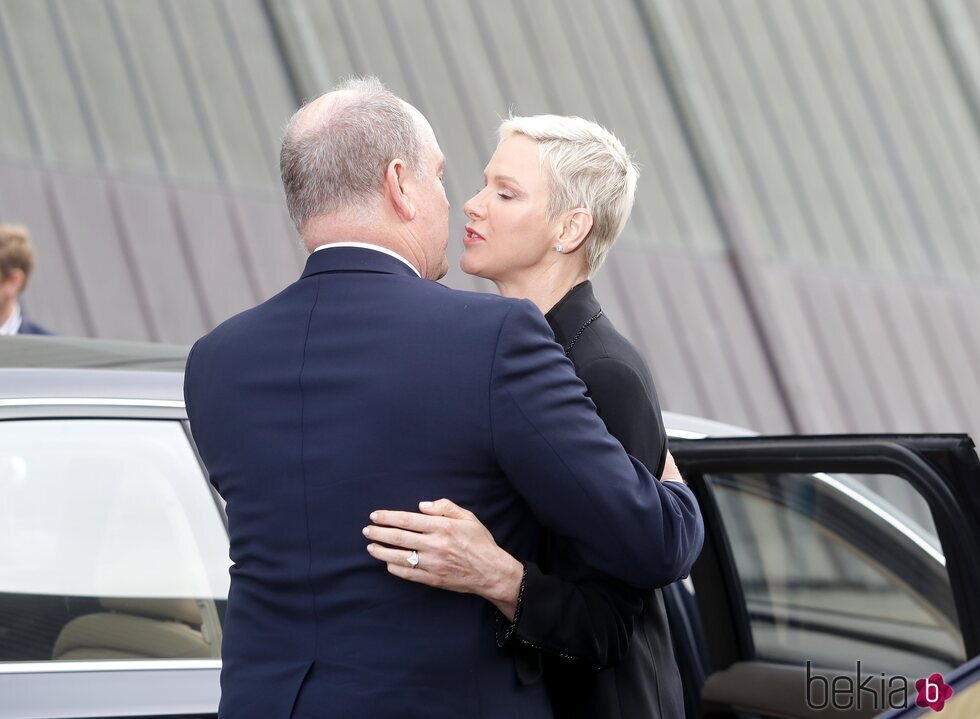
(360, 387)
(29, 328)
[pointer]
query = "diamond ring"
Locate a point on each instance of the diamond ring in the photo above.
(413, 559)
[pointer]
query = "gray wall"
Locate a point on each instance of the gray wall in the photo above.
(805, 250)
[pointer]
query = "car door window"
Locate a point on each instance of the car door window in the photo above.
(111, 545)
(840, 568)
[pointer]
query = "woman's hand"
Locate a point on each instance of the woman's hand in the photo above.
(455, 552)
(671, 473)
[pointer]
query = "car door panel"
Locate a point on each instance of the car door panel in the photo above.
(803, 560)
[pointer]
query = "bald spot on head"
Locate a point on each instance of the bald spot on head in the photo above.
(316, 113)
(337, 147)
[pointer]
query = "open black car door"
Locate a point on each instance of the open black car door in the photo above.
(836, 571)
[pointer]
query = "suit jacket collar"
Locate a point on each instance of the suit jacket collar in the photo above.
(355, 259)
(572, 311)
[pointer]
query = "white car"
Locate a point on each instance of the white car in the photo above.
(820, 552)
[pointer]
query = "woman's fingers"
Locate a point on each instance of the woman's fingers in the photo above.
(398, 565)
(412, 521)
(415, 575)
(446, 508)
(395, 537)
(389, 555)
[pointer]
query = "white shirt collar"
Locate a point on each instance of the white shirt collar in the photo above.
(367, 246)
(12, 325)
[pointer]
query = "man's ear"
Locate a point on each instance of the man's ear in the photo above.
(396, 179)
(575, 228)
(14, 282)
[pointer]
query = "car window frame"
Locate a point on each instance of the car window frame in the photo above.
(122, 688)
(948, 493)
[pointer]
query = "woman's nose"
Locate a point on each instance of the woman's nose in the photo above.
(472, 207)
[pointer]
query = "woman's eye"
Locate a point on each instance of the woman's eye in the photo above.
(505, 196)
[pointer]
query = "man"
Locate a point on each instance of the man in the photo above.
(362, 385)
(16, 262)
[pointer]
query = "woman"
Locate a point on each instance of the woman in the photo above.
(558, 191)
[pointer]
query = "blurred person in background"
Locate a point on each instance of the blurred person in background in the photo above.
(17, 258)
(557, 193)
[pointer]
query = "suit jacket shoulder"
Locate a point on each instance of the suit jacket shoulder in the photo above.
(30, 328)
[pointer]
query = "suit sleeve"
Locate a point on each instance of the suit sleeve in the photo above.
(576, 478)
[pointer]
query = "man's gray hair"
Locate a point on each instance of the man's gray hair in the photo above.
(338, 160)
(588, 167)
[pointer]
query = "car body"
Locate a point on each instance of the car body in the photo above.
(819, 551)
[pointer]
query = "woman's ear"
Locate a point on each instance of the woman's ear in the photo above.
(577, 225)
(397, 176)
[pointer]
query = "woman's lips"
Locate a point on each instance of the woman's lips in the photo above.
(472, 237)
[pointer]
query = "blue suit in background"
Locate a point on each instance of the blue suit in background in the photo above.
(363, 387)
(29, 328)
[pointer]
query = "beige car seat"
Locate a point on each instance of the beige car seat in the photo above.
(135, 629)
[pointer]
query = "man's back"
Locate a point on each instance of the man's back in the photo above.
(362, 387)
(348, 392)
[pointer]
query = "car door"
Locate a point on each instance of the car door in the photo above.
(836, 572)
(113, 562)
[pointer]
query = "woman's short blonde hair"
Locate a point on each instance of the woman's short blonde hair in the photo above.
(588, 167)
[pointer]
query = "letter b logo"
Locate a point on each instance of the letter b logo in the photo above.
(933, 692)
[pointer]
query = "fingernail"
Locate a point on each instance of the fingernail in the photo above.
(425, 505)
(374, 516)
(371, 548)
(366, 531)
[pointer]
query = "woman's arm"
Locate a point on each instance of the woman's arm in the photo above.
(584, 617)
(581, 616)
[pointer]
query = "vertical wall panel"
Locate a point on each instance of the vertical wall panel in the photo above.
(646, 321)
(15, 139)
(945, 119)
(103, 264)
(230, 123)
(265, 81)
(902, 399)
(678, 280)
(761, 402)
(158, 73)
(166, 279)
(225, 272)
(103, 81)
(279, 254)
(920, 360)
(660, 126)
(955, 347)
(34, 48)
(809, 382)
(854, 381)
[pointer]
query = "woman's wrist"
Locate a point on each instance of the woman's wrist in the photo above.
(505, 588)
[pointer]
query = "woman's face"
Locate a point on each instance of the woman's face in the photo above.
(509, 233)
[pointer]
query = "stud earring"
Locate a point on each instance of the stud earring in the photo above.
(558, 248)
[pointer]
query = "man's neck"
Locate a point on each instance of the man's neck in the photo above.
(328, 231)
(7, 310)
(371, 246)
(10, 318)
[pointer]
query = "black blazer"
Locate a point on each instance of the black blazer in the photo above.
(583, 622)
(360, 387)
